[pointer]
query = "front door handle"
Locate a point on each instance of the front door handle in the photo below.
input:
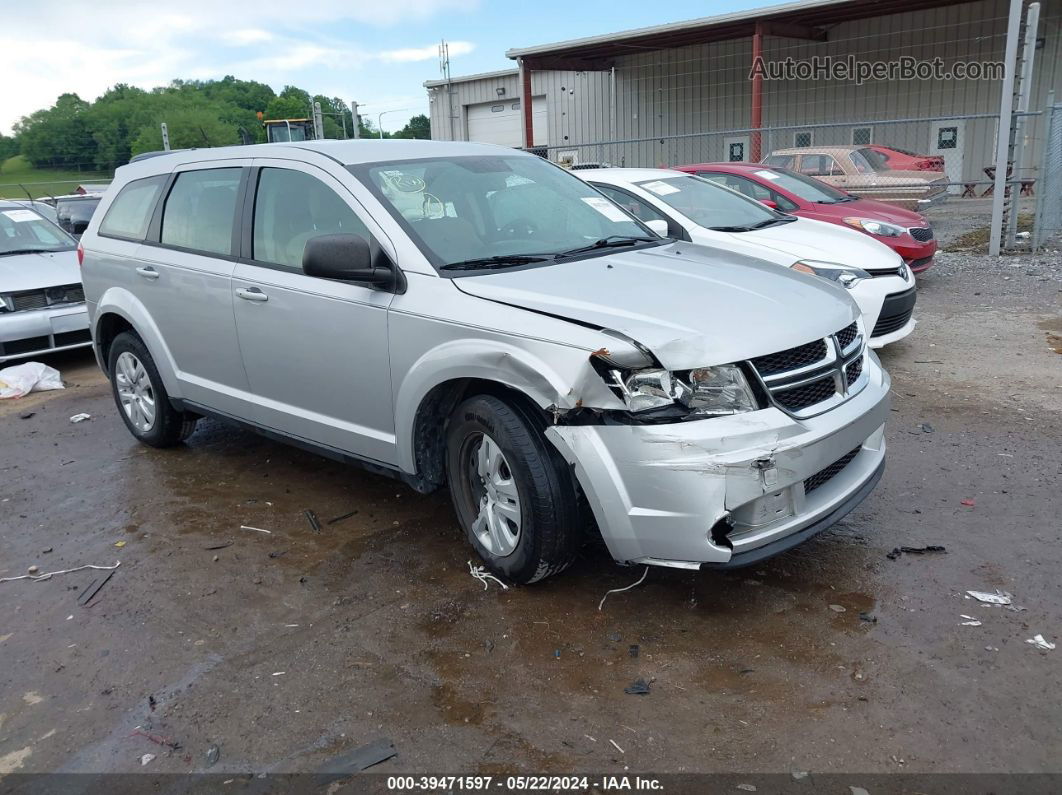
(251, 294)
(147, 272)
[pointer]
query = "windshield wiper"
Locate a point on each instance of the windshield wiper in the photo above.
(773, 221)
(31, 251)
(612, 241)
(498, 261)
(841, 200)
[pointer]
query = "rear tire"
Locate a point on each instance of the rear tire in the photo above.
(511, 491)
(141, 398)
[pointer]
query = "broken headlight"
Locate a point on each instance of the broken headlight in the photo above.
(705, 391)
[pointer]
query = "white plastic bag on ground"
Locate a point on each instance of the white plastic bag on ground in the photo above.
(30, 377)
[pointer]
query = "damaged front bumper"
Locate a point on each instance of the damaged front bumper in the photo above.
(728, 491)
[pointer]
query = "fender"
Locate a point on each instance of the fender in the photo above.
(501, 362)
(121, 302)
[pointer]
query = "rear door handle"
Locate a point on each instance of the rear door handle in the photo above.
(251, 294)
(147, 272)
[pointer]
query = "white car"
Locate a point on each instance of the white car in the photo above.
(706, 213)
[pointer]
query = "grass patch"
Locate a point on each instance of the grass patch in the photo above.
(976, 240)
(16, 171)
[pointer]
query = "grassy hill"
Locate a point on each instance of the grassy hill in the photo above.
(41, 181)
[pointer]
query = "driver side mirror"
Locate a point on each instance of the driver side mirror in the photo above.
(659, 226)
(767, 202)
(345, 258)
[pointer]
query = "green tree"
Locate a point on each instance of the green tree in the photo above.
(191, 127)
(291, 103)
(58, 136)
(417, 127)
(9, 147)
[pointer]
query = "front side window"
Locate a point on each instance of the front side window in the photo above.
(130, 212)
(200, 210)
(23, 231)
(470, 208)
(708, 204)
(290, 209)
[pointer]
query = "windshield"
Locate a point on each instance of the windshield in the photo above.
(74, 214)
(807, 188)
(875, 159)
(470, 209)
(709, 204)
(861, 164)
(23, 231)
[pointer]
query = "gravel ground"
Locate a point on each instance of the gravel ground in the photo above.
(288, 648)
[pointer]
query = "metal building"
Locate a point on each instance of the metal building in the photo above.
(685, 92)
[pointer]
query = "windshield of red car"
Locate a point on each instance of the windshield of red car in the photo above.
(807, 188)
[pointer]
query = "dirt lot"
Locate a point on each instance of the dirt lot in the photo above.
(288, 648)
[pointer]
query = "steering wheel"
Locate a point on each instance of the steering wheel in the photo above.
(520, 227)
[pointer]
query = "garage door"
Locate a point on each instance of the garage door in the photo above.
(499, 122)
(495, 123)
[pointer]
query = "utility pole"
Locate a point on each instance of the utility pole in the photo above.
(165, 137)
(355, 118)
(318, 122)
(1004, 128)
(444, 67)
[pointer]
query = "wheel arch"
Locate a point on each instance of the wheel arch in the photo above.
(119, 310)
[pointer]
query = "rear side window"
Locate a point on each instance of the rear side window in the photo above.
(130, 212)
(784, 161)
(291, 209)
(200, 210)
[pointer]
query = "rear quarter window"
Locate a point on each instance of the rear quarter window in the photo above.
(130, 212)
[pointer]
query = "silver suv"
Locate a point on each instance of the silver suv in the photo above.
(475, 317)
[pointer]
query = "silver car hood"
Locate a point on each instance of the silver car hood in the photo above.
(692, 306)
(36, 271)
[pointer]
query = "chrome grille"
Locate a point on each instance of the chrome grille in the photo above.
(923, 234)
(812, 378)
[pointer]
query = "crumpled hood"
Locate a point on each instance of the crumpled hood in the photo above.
(692, 306)
(817, 240)
(36, 271)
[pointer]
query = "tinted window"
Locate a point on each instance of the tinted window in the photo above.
(200, 210)
(130, 212)
(631, 204)
(290, 209)
(73, 215)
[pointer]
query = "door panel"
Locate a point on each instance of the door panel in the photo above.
(948, 139)
(315, 350)
(188, 293)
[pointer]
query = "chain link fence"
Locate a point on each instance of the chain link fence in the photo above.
(1047, 227)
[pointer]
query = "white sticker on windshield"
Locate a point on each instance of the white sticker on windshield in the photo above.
(606, 208)
(660, 188)
(767, 174)
(21, 215)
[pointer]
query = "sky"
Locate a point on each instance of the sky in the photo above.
(378, 52)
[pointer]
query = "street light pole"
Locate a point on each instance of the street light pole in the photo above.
(379, 118)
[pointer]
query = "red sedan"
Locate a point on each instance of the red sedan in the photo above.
(893, 159)
(907, 233)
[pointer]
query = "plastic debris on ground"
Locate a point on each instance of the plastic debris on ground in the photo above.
(213, 753)
(49, 574)
(1040, 642)
(146, 759)
(360, 758)
(20, 380)
(621, 590)
(968, 503)
(484, 576)
(970, 621)
(997, 598)
(639, 687)
(255, 529)
(81, 417)
(838, 608)
(898, 551)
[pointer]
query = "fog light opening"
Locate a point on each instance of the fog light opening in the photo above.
(721, 531)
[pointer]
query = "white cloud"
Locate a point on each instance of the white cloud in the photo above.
(247, 36)
(426, 53)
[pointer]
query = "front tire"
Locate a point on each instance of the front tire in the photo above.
(511, 491)
(141, 398)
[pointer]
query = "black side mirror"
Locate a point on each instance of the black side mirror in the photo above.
(344, 257)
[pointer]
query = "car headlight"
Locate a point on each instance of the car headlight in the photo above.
(844, 275)
(878, 228)
(703, 392)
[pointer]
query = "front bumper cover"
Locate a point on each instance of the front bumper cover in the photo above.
(657, 491)
(39, 331)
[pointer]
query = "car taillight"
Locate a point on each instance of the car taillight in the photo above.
(80, 255)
